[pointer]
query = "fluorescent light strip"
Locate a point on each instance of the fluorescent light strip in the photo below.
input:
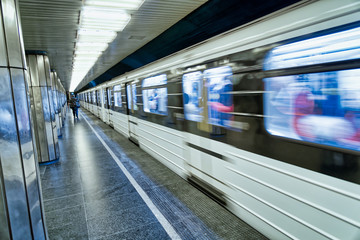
(95, 32)
(129, 5)
(109, 15)
(94, 39)
(100, 22)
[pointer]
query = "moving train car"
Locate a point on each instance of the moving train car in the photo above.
(265, 118)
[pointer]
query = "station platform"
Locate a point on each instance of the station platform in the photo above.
(106, 187)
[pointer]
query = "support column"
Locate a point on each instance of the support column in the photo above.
(42, 107)
(21, 215)
(56, 102)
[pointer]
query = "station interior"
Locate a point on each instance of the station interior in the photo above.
(179, 119)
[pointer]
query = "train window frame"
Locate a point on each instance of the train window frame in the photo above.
(108, 93)
(98, 98)
(312, 114)
(192, 97)
(154, 94)
(117, 95)
(93, 97)
(318, 52)
(288, 70)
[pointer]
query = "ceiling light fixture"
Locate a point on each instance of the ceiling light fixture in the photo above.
(127, 5)
(100, 21)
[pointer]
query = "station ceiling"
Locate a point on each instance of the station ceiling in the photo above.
(157, 29)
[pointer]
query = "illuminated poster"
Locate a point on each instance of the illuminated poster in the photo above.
(192, 86)
(220, 99)
(322, 108)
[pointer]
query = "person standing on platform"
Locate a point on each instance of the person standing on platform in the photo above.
(75, 105)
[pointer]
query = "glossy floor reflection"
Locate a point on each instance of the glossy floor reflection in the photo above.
(87, 196)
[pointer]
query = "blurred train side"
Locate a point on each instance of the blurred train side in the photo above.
(277, 185)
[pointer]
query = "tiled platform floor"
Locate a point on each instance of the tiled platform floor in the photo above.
(87, 196)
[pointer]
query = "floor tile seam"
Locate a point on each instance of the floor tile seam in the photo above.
(155, 211)
(117, 196)
(62, 223)
(62, 173)
(70, 195)
(52, 178)
(58, 226)
(58, 187)
(63, 196)
(128, 229)
(44, 170)
(62, 209)
(124, 210)
(83, 202)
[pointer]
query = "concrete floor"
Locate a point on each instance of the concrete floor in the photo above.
(87, 196)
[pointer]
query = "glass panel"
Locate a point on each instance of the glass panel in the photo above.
(340, 46)
(117, 96)
(154, 81)
(220, 99)
(109, 96)
(134, 96)
(321, 108)
(155, 100)
(128, 92)
(93, 98)
(192, 85)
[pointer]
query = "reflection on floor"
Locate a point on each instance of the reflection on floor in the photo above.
(87, 196)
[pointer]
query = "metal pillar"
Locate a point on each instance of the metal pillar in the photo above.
(58, 102)
(42, 107)
(21, 215)
(55, 98)
(63, 101)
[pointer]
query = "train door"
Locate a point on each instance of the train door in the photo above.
(109, 104)
(93, 102)
(99, 101)
(94, 106)
(104, 105)
(131, 111)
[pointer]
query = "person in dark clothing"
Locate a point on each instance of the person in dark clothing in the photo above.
(75, 105)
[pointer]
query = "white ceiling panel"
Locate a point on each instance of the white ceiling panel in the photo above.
(51, 26)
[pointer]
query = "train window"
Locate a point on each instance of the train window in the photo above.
(117, 96)
(105, 98)
(93, 98)
(155, 94)
(98, 98)
(128, 93)
(321, 108)
(108, 91)
(340, 46)
(219, 95)
(192, 94)
(133, 87)
(131, 96)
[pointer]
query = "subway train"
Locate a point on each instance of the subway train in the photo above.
(264, 118)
